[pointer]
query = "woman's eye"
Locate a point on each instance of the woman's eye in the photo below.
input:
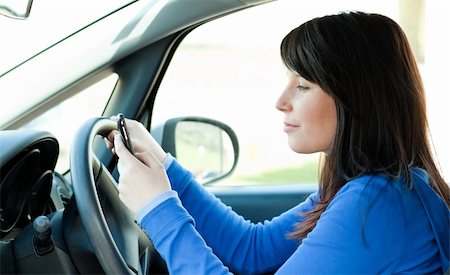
(302, 88)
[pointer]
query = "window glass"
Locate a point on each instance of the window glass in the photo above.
(229, 69)
(64, 119)
(49, 22)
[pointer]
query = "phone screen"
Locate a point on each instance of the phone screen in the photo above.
(121, 125)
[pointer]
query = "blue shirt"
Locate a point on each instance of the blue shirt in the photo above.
(374, 224)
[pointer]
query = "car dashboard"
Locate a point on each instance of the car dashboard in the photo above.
(28, 159)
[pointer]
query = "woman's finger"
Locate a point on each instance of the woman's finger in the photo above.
(125, 157)
(148, 158)
(139, 145)
(111, 135)
(109, 140)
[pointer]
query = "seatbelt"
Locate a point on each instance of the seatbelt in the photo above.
(436, 209)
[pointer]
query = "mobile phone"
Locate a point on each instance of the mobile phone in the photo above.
(122, 126)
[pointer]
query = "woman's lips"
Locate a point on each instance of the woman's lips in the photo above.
(288, 127)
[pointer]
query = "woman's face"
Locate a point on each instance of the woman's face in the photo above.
(309, 115)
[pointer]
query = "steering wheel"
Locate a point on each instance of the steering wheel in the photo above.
(109, 224)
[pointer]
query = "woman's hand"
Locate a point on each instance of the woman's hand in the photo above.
(142, 176)
(141, 139)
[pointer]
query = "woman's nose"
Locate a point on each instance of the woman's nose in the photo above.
(282, 103)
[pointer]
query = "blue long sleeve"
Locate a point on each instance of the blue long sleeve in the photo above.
(241, 245)
(373, 225)
(173, 234)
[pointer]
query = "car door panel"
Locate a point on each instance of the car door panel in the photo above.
(260, 203)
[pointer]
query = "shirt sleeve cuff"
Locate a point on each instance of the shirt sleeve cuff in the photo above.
(167, 161)
(153, 203)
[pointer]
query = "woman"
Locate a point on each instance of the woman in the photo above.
(354, 92)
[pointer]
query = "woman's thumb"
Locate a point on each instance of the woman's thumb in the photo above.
(120, 149)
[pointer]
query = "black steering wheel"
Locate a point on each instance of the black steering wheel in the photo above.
(109, 224)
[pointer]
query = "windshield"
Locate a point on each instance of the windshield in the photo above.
(49, 22)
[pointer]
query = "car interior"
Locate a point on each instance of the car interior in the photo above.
(75, 223)
(54, 222)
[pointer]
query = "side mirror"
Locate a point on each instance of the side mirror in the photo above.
(17, 9)
(208, 148)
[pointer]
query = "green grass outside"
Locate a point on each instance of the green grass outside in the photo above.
(306, 173)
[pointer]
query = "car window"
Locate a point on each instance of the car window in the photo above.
(64, 119)
(229, 69)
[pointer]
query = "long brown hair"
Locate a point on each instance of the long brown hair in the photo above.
(364, 62)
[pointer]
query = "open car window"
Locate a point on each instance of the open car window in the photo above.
(230, 70)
